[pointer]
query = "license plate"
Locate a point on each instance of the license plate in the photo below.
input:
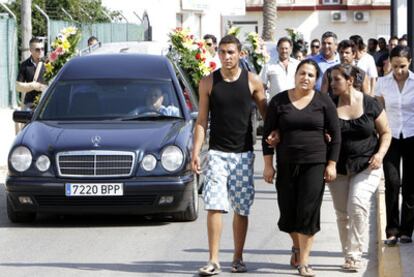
(115, 189)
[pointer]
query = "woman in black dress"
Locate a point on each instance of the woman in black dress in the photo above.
(305, 160)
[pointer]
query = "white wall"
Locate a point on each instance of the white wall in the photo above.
(402, 20)
(162, 16)
(312, 24)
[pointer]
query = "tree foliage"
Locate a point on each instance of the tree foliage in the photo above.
(82, 11)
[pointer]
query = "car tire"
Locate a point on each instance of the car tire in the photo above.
(191, 213)
(18, 217)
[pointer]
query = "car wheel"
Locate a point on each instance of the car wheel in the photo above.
(191, 213)
(18, 217)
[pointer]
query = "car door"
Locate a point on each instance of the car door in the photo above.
(191, 99)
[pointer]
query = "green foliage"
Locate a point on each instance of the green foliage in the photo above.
(53, 8)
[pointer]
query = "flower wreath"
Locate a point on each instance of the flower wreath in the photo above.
(63, 49)
(191, 55)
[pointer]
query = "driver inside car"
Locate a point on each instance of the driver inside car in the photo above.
(154, 102)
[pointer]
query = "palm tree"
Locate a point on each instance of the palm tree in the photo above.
(269, 19)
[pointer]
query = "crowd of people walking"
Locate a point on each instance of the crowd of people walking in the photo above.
(342, 116)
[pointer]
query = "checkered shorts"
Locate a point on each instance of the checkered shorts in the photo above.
(229, 179)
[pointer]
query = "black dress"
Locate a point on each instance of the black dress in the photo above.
(302, 155)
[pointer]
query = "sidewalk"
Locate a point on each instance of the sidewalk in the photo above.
(395, 261)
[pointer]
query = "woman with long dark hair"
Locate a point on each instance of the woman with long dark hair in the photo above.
(396, 90)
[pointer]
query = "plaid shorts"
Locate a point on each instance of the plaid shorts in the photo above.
(229, 179)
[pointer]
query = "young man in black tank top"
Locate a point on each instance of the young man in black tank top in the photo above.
(227, 94)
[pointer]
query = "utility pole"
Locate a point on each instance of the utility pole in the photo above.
(394, 17)
(26, 25)
(410, 28)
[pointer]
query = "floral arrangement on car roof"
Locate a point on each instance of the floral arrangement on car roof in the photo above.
(63, 49)
(258, 54)
(191, 55)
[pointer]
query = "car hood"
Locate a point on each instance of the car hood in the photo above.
(132, 136)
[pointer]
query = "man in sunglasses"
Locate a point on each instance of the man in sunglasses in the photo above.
(211, 46)
(30, 79)
(314, 47)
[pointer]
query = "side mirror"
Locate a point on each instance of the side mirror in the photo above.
(194, 115)
(22, 116)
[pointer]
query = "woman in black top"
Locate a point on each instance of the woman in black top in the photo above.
(301, 116)
(365, 140)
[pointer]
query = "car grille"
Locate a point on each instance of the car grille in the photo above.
(95, 163)
(85, 201)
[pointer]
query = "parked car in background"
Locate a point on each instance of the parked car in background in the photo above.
(95, 144)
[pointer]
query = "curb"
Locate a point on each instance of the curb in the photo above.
(389, 259)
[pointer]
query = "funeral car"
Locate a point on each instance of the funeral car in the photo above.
(96, 143)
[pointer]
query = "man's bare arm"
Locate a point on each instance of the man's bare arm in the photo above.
(202, 121)
(258, 94)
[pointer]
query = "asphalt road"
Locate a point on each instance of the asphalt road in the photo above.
(139, 246)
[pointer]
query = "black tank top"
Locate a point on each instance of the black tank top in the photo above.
(230, 111)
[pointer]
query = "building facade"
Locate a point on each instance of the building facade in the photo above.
(200, 16)
(368, 18)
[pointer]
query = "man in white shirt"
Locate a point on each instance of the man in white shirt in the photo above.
(211, 46)
(365, 61)
(280, 76)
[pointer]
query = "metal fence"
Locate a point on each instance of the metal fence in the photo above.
(105, 32)
(8, 61)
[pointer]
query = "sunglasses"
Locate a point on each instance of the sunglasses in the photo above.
(315, 46)
(39, 49)
(209, 44)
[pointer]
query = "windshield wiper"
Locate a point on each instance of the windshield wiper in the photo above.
(149, 117)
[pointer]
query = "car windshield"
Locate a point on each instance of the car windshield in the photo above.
(110, 99)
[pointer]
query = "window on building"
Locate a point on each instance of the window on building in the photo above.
(331, 2)
(179, 20)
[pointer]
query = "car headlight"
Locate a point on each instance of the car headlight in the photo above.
(21, 158)
(172, 158)
(43, 163)
(149, 162)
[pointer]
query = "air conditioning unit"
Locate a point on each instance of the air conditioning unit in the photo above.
(338, 16)
(361, 16)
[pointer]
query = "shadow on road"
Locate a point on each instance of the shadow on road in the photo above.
(171, 267)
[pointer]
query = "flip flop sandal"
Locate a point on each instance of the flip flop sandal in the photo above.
(209, 270)
(406, 239)
(238, 267)
(306, 271)
(294, 259)
(391, 241)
